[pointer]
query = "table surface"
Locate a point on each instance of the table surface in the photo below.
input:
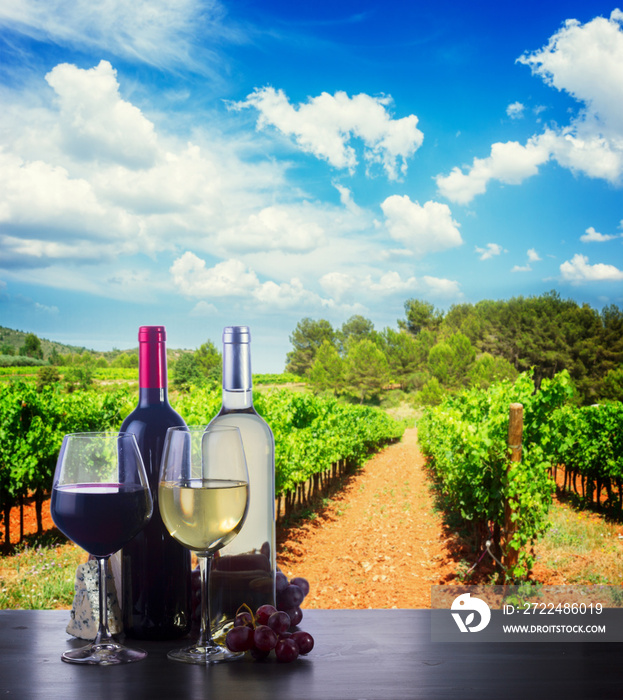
(359, 654)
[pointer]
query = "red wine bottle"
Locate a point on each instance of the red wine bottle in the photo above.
(156, 598)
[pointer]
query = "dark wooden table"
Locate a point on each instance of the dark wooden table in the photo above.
(359, 654)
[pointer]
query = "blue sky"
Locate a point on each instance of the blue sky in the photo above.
(202, 163)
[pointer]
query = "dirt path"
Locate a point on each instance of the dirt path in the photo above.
(379, 543)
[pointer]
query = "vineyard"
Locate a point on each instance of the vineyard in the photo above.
(314, 437)
(506, 503)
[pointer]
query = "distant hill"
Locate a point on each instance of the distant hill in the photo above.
(14, 340)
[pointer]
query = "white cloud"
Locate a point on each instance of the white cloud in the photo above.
(157, 32)
(95, 122)
(287, 228)
(592, 236)
(578, 270)
(234, 279)
(586, 61)
(515, 110)
(510, 163)
(88, 178)
(533, 256)
(203, 308)
(490, 251)
(325, 125)
(443, 288)
(427, 228)
(229, 278)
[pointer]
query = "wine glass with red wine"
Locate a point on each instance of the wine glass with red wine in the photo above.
(101, 500)
(203, 496)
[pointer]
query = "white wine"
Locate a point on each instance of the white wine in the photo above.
(243, 572)
(203, 514)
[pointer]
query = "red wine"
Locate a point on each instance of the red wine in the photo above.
(156, 599)
(100, 518)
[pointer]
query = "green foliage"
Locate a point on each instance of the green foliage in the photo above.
(311, 432)
(356, 328)
(187, 372)
(32, 347)
(19, 361)
(488, 369)
(367, 371)
(32, 424)
(588, 441)
(421, 315)
(306, 338)
(209, 361)
(47, 375)
(465, 437)
(327, 372)
(612, 385)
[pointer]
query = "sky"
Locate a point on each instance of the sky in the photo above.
(203, 163)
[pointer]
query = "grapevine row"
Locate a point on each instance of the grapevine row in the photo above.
(465, 439)
(312, 434)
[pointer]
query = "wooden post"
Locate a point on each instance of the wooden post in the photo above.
(515, 434)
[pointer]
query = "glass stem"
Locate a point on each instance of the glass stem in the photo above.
(205, 636)
(103, 633)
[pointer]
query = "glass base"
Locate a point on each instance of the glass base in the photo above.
(105, 654)
(199, 654)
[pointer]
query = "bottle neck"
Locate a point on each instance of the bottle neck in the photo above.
(152, 396)
(152, 369)
(237, 382)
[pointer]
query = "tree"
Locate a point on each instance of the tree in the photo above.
(32, 347)
(80, 372)
(48, 374)
(612, 385)
(403, 354)
(327, 372)
(356, 328)
(488, 369)
(432, 393)
(367, 371)
(306, 338)
(187, 372)
(450, 360)
(420, 315)
(209, 360)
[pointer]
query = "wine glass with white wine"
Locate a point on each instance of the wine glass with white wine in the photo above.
(203, 495)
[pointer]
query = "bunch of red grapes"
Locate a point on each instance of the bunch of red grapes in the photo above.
(270, 628)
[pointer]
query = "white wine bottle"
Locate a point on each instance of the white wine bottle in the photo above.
(243, 572)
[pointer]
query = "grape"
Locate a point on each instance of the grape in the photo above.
(302, 583)
(286, 650)
(239, 638)
(279, 622)
(295, 615)
(243, 619)
(258, 654)
(264, 612)
(264, 638)
(281, 582)
(304, 641)
(292, 597)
